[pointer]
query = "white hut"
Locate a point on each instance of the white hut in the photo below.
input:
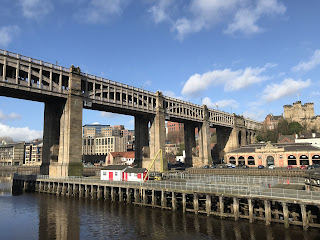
(113, 172)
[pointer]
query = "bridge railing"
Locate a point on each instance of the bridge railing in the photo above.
(178, 109)
(246, 190)
(32, 60)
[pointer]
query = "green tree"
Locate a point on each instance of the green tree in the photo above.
(283, 127)
(295, 127)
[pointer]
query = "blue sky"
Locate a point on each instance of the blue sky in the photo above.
(250, 57)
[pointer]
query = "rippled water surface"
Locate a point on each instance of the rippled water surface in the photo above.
(45, 216)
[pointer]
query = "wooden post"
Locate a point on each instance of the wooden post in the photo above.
(163, 199)
(174, 201)
(236, 208)
(267, 212)
(120, 195)
(305, 222)
(153, 198)
(128, 195)
(251, 219)
(208, 204)
(195, 203)
(221, 205)
(113, 196)
(285, 214)
(184, 202)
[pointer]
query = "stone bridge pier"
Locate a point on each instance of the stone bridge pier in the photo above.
(229, 139)
(62, 133)
(149, 140)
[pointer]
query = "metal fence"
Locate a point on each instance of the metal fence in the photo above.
(232, 189)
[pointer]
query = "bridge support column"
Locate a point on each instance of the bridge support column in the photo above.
(141, 131)
(158, 136)
(223, 135)
(51, 132)
(204, 141)
(70, 143)
(190, 142)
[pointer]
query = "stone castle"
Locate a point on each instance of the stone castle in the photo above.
(303, 114)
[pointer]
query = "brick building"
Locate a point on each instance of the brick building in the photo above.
(271, 121)
(280, 155)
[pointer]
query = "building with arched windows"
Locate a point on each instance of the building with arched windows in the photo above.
(280, 155)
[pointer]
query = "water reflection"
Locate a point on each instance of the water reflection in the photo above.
(57, 217)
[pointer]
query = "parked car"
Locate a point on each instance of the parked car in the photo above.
(303, 167)
(230, 165)
(206, 166)
(272, 167)
(313, 166)
(289, 167)
(213, 166)
(242, 166)
(260, 167)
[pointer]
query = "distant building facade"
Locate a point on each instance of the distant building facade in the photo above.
(280, 155)
(96, 130)
(313, 139)
(33, 153)
(120, 158)
(271, 121)
(11, 154)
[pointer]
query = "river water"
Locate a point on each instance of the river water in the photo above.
(46, 216)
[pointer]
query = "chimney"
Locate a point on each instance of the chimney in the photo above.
(313, 135)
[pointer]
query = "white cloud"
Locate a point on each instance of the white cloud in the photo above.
(255, 114)
(246, 18)
(171, 94)
(232, 80)
(309, 65)
(109, 114)
(204, 14)
(220, 104)
(36, 8)
(19, 134)
(99, 11)
(159, 11)
(7, 33)
(11, 116)
(147, 84)
(287, 87)
(197, 15)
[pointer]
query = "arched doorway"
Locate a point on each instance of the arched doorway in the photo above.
(239, 138)
(241, 160)
(292, 160)
(304, 160)
(270, 160)
(232, 160)
(315, 159)
(251, 161)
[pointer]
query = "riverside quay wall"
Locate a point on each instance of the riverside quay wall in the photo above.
(246, 198)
